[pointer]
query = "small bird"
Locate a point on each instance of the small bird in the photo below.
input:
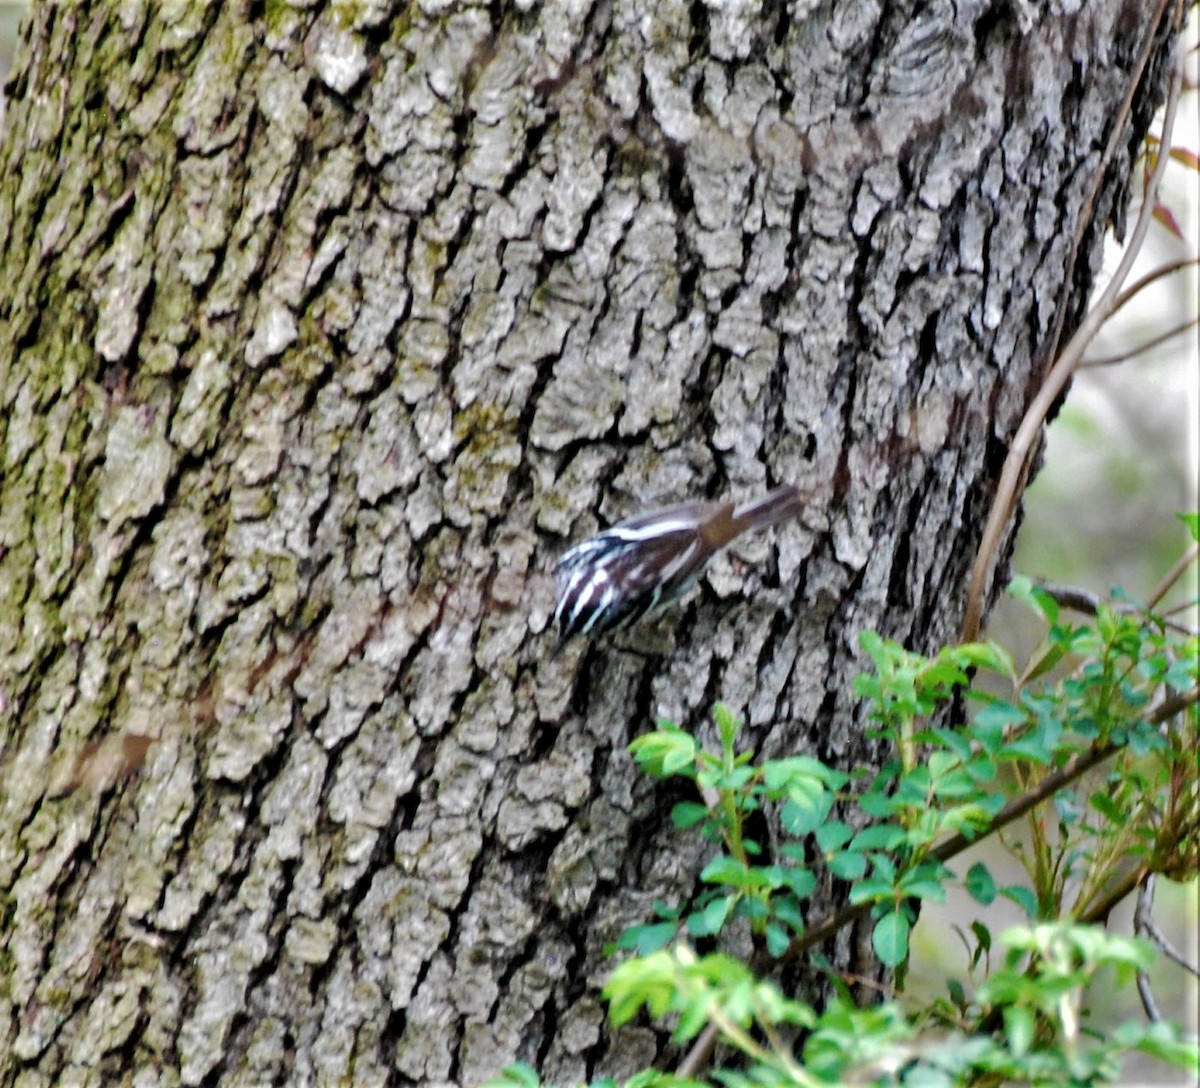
(647, 562)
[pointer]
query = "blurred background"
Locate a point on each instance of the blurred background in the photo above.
(1121, 459)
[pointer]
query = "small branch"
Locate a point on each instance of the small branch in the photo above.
(1173, 575)
(698, 1052)
(1110, 360)
(1147, 996)
(1154, 277)
(1143, 922)
(1015, 469)
(719, 1022)
(1176, 704)
(1019, 806)
(1078, 599)
(779, 1048)
(1102, 908)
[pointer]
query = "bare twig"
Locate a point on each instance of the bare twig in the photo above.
(698, 1052)
(1173, 575)
(1100, 909)
(1143, 921)
(1153, 277)
(1015, 468)
(1141, 349)
(1085, 601)
(1147, 996)
(1076, 598)
(1183, 606)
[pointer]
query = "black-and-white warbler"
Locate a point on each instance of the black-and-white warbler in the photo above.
(645, 563)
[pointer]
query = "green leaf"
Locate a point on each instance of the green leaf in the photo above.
(1023, 897)
(1143, 738)
(936, 681)
(923, 887)
(925, 1076)
(998, 715)
(644, 980)
(884, 866)
(1160, 1040)
(688, 813)
(648, 938)
(1043, 659)
(728, 725)
(1018, 1029)
(990, 736)
(804, 789)
(517, 1075)
(801, 819)
(788, 911)
(889, 938)
(777, 940)
(805, 792)
(721, 779)
(983, 938)
(779, 773)
(987, 655)
(878, 803)
(1035, 597)
(1182, 674)
(1192, 521)
(980, 885)
(879, 837)
(981, 768)
(876, 649)
(800, 882)
(952, 739)
(1032, 746)
(847, 864)
(869, 891)
(708, 922)
(726, 870)
(756, 910)
(1103, 804)
(832, 835)
(915, 786)
(971, 819)
(955, 784)
(665, 752)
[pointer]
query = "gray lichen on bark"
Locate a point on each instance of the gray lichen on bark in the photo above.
(324, 331)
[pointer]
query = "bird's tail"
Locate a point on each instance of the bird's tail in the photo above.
(776, 506)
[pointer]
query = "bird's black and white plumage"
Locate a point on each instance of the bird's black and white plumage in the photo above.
(646, 562)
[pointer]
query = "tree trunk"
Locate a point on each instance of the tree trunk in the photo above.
(324, 330)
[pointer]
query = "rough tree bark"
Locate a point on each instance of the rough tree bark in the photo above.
(324, 329)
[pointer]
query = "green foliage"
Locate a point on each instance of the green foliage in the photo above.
(1089, 751)
(1035, 996)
